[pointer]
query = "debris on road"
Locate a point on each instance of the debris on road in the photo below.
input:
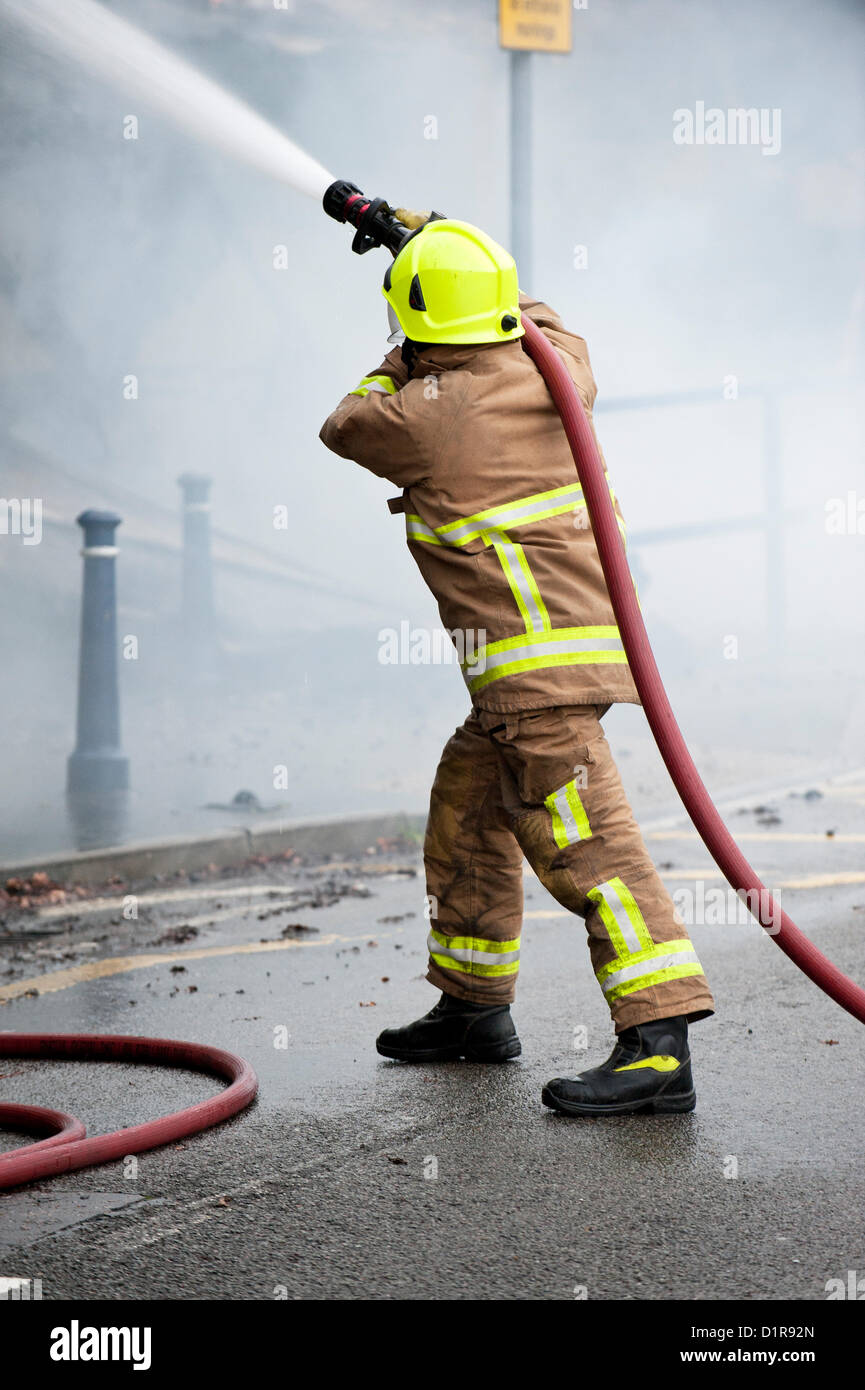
(36, 891)
(297, 929)
(176, 936)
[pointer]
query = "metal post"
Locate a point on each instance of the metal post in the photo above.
(773, 490)
(98, 769)
(521, 167)
(199, 621)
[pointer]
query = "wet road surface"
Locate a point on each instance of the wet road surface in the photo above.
(357, 1178)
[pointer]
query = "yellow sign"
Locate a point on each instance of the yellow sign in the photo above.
(541, 25)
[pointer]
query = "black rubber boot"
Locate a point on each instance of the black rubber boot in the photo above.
(648, 1070)
(451, 1030)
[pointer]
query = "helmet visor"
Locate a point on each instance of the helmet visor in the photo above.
(396, 334)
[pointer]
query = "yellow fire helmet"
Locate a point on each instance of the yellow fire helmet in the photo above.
(451, 283)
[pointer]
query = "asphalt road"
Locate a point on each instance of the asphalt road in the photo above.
(357, 1178)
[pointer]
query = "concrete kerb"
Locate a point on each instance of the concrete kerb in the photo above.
(226, 848)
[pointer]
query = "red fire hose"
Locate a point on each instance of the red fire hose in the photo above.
(67, 1149)
(668, 736)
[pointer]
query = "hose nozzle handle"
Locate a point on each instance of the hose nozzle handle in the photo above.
(375, 221)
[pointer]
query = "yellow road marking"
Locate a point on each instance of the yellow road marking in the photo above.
(80, 907)
(808, 881)
(56, 980)
(786, 885)
(824, 880)
(785, 837)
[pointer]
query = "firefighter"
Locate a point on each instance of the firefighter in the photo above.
(459, 418)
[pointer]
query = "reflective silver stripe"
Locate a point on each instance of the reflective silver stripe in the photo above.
(622, 916)
(571, 829)
(103, 552)
(566, 815)
(419, 530)
(649, 967)
(527, 509)
(519, 583)
(476, 957)
(549, 647)
(383, 384)
(511, 514)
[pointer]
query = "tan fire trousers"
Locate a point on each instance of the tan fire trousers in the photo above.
(543, 784)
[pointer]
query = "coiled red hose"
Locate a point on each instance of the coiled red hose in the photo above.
(34, 1119)
(668, 736)
(67, 1149)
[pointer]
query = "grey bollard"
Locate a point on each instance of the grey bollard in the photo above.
(98, 770)
(199, 617)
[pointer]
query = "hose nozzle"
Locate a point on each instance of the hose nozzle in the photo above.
(375, 221)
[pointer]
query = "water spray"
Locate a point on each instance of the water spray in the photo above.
(140, 66)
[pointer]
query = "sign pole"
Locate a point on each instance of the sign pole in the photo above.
(527, 27)
(522, 203)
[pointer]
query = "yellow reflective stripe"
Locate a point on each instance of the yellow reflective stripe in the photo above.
(475, 943)
(651, 953)
(531, 582)
(597, 633)
(474, 955)
(622, 918)
(570, 822)
(620, 521)
(578, 811)
(658, 977)
(538, 663)
(662, 1062)
(417, 530)
(468, 968)
(522, 583)
(536, 507)
(668, 960)
(385, 385)
(559, 834)
(553, 494)
(522, 512)
(538, 650)
(504, 561)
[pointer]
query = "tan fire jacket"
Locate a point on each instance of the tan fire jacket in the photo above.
(494, 515)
